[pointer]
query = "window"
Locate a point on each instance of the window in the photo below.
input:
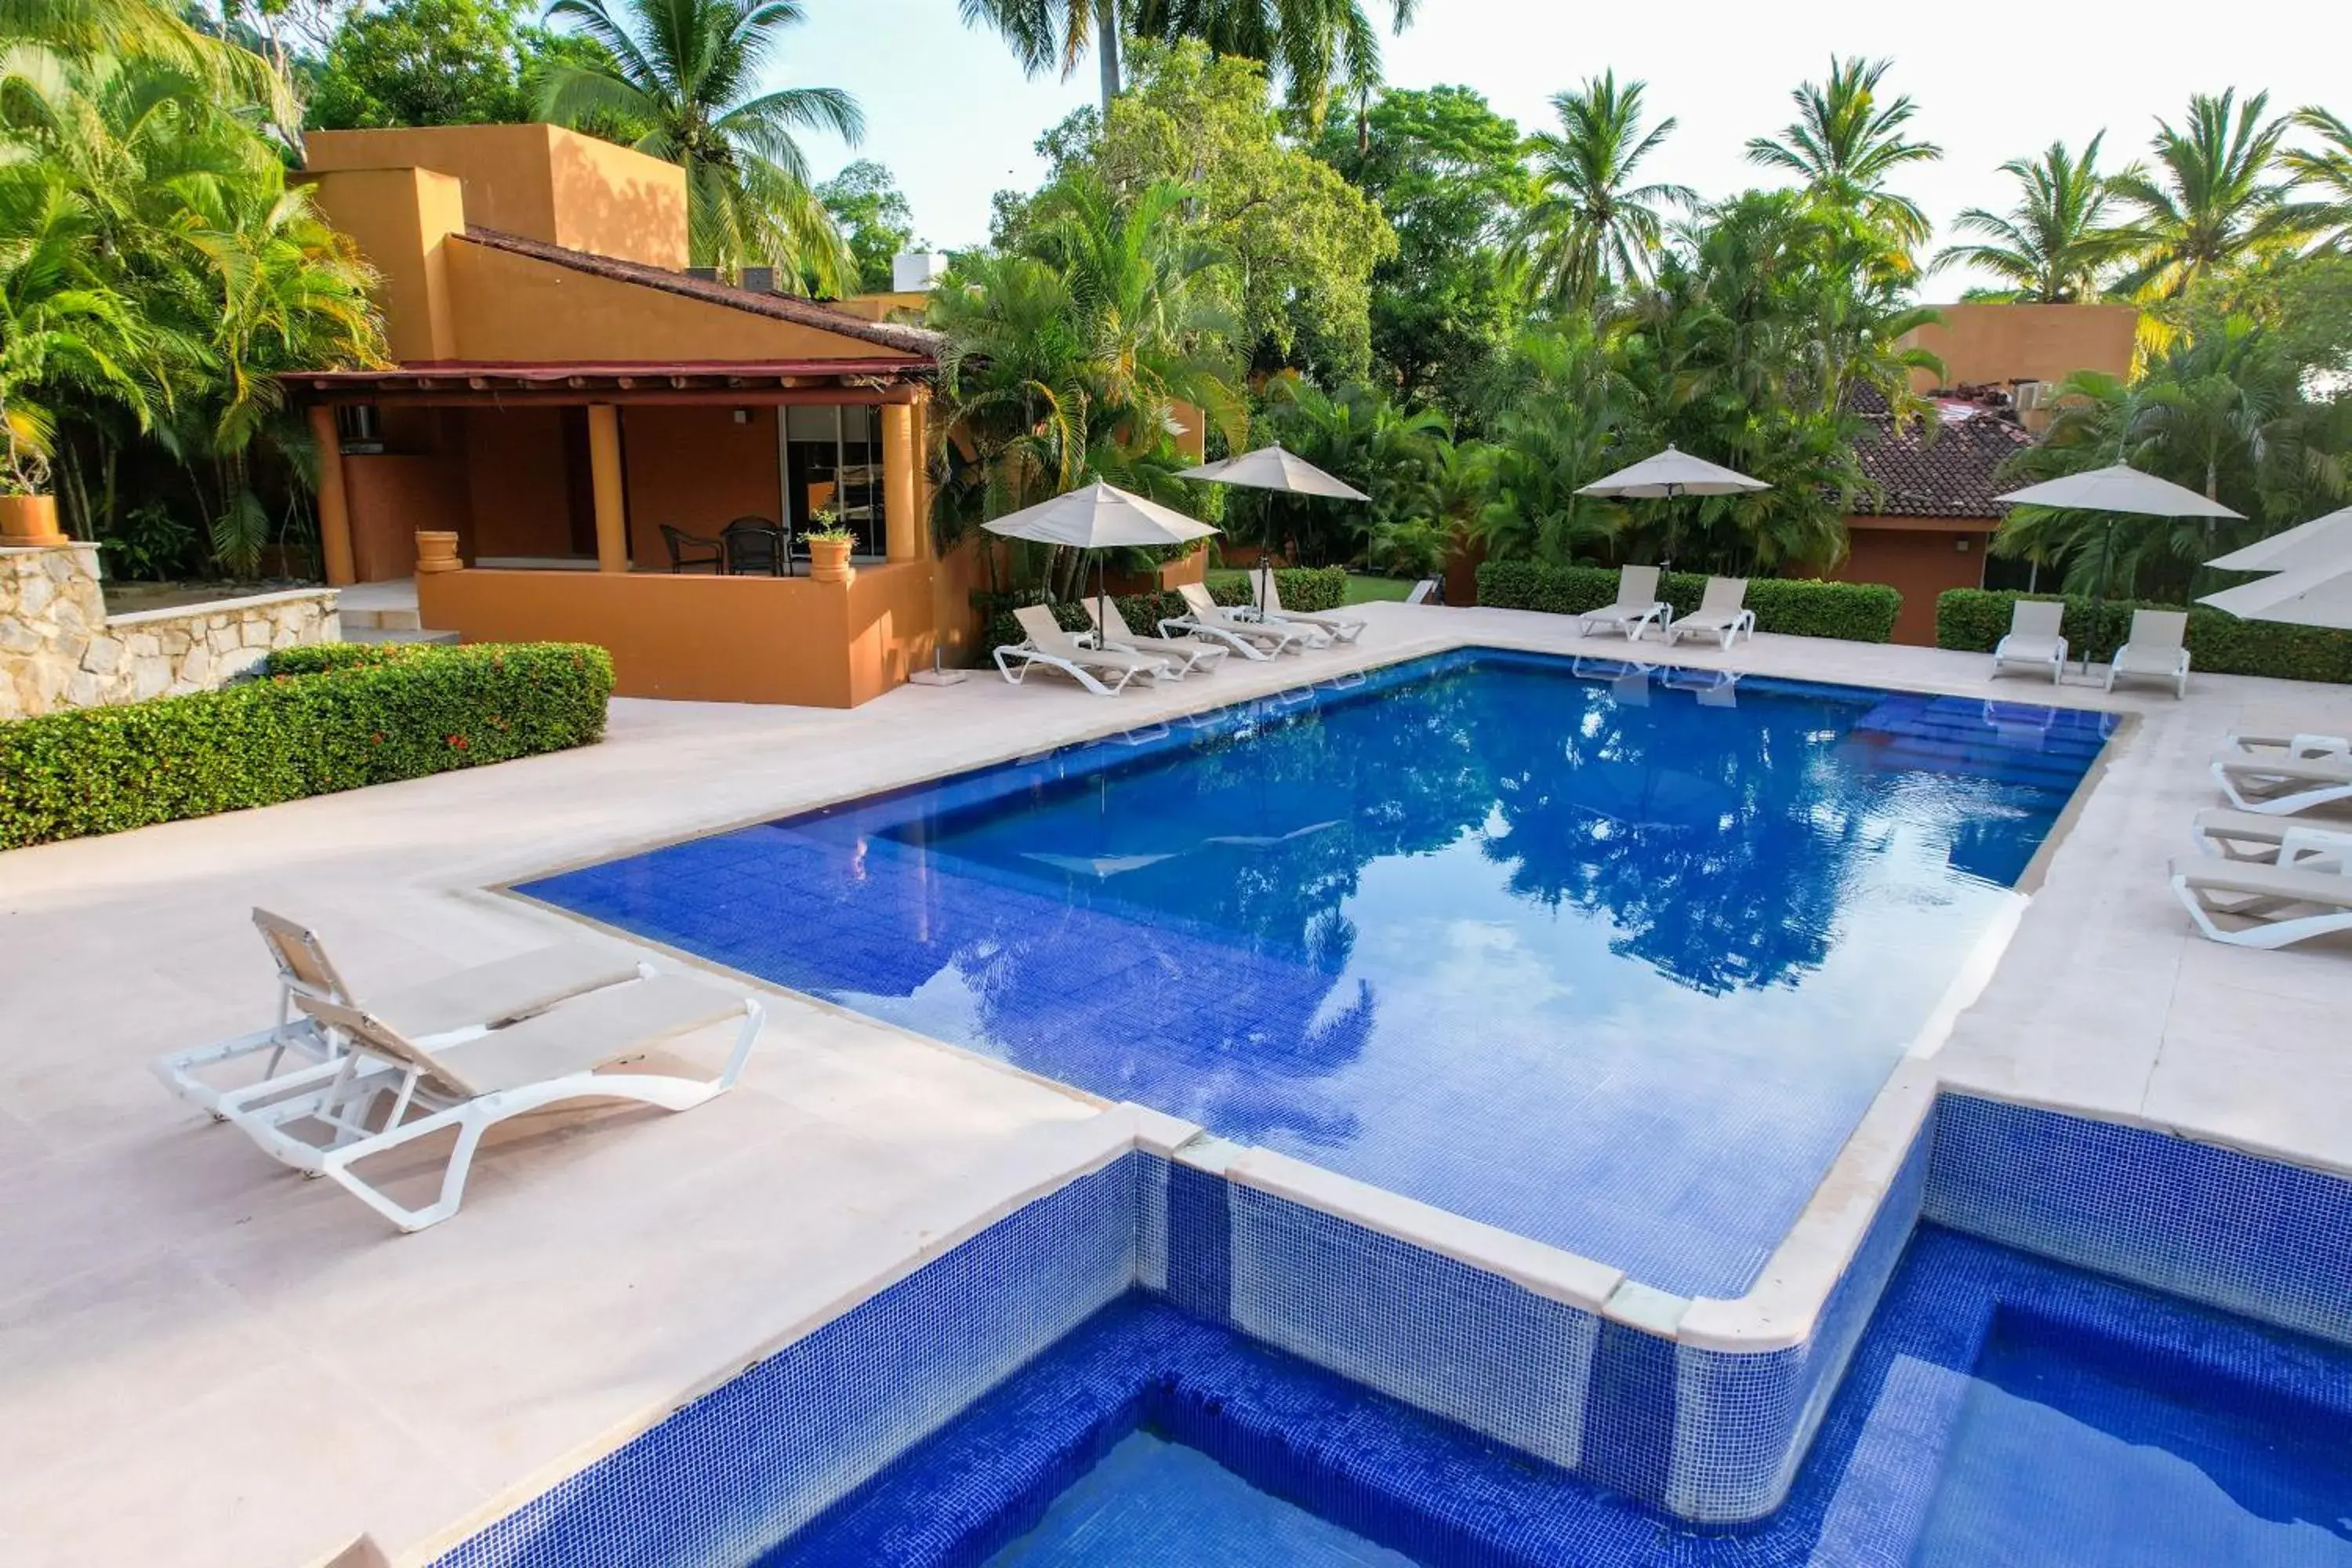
(833, 462)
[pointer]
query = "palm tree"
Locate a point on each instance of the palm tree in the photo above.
(1054, 35)
(2215, 197)
(62, 331)
(1844, 145)
(1589, 227)
(679, 71)
(2326, 169)
(1314, 46)
(2051, 248)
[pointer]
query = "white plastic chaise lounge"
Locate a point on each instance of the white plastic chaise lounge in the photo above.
(2250, 836)
(467, 1001)
(1268, 592)
(1637, 609)
(2154, 651)
(2032, 641)
(1423, 592)
(2303, 745)
(1722, 613)
(1184, 655)
(1050, 646)
(1204, 618)
(2249, 904)
(473, 1085)
(2279, 785)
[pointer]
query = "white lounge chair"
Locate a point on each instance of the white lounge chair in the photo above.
(2298, 745)
(2154, 651)
(2250, 836)
(1268, 591)
(1722, 613)
(2278, 785)
(465, 1001)
(1184, 655)
(1054, 648)
(2033, 642)
(474, 1084)
(1638, 606)
(1423, 592)
(2248, 904)
(1204, 618)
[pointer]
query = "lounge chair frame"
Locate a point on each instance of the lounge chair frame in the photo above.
(1632, 613)
(1060, 650)
(2253, 905)
(1204, 618)
(1266, 594)
(2032, 641)
(1185, 654)
(2284, 785)
(2152, 654)
(1723, 613)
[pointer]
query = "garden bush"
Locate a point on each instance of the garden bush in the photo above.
(314, 720)
(1307, 589)
(1973, 619)
(1805, 607)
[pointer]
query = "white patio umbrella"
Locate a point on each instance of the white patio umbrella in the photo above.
(2318, 595)
(1272, 468)
(2118, 489)
(2323, 541)
(1665, 475)
(1100, 517)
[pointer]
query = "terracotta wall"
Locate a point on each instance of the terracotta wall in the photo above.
(694, 467)
(1919, 559)
(1986, 345)
(520, 481)
(709, 638)
(393, 494)
(400, 219)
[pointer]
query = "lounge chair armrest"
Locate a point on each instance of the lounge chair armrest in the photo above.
(754, 1017)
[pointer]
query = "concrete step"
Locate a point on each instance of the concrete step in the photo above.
(396, 634)
(384, 619)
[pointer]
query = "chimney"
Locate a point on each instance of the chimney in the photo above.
(759, 279)
(914, 272)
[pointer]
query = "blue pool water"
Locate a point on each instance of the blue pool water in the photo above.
(1150, 1501)
(1609, 957)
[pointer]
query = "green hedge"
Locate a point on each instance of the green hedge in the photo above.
(315, 721)
(1858, 612)
(1973, 619)
(1307, 589)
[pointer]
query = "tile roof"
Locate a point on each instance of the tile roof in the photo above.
(915, 341)
(1948, 471)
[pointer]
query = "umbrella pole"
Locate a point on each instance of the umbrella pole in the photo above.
(1102, 596)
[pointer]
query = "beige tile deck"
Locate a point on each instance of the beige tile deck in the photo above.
(205, 1360)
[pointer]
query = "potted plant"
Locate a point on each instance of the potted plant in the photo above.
(829, 544)
(28, 512)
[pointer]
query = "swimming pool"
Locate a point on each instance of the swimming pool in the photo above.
(1608, 956)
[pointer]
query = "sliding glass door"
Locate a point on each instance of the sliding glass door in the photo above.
(833, 462)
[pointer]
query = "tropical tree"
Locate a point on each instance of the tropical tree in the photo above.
(1845, 145)
(2326, 171)
(1054, 35)
(2216, 196)
(1588, 226)
(1561, 413)
(1393, 454)
(874, 219)
(63, 332)
(684, 72)
(2053, 246)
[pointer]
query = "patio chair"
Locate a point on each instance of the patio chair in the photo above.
(1184, 655)
(2249, 835)
(2281, 786)
(1049, 646)
(1722, 613)
(689, 551)
(756, 547)
(2032, 641)
(1204, 618)
(455, 1005)
(473, 1085)
(1267, 590)
(2248, 904)
(2154, 651)
(1638, 606)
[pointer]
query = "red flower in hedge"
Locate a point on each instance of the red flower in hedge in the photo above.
(458, 742)
(377, 737)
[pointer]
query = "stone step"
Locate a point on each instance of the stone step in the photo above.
(387, 618)
(397, 634)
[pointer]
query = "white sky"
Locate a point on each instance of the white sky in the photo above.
(951, 116)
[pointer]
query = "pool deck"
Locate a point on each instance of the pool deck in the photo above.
(205, 1360)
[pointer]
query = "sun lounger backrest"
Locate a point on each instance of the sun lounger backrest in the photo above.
(379, 1038)
(2158, 631)
(2038, 619)
(1043, 630)
(1637, 585)
(1724, 596)
(1269, 591)
(301, 960)
(1197, 600)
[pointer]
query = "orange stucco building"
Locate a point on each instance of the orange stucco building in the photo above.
(568, 401)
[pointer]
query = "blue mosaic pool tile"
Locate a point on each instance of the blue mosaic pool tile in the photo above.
(2254, 1236)
(757, 1457)
(1200, 1242)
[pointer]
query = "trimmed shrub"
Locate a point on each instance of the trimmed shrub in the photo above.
(316, 721)
(1857, 612)
(1972, 620)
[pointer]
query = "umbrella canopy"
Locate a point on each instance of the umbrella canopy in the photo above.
(2317, 596)
(2120, 487)
(1673, 472)
(1272, 468)
(2321, 542)
(1099, 517)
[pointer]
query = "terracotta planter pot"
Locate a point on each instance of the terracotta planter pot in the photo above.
(829, 561)
(29, 522)
(436, 551)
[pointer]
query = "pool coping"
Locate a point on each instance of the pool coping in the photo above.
(1779, 1309)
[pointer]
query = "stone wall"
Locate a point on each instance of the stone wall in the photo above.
(59, 649)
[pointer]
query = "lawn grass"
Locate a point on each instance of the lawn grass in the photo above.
(1361, 589)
